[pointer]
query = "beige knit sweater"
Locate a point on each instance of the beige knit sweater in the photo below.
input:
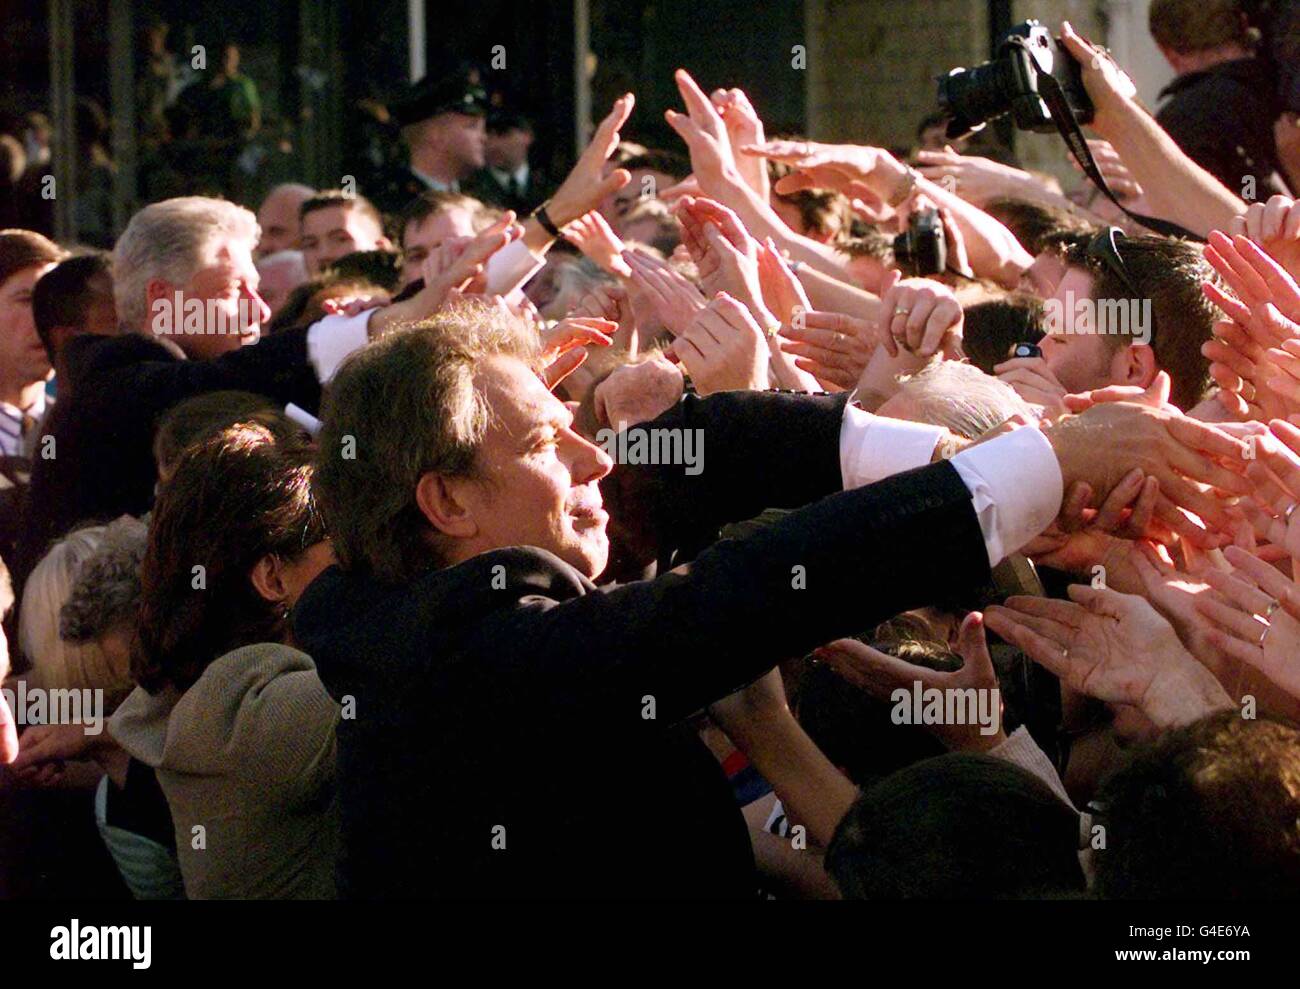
(246, 760)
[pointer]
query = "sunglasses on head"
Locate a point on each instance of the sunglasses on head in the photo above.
(1104, 249)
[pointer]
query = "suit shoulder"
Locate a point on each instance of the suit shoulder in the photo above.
(519, 572)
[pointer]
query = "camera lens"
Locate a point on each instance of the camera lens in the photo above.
(976, 95)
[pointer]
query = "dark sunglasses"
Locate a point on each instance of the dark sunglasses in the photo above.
(1104, 249)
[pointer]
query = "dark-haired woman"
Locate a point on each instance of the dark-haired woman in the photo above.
(232, 717)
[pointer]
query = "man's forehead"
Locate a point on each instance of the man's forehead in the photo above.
(516, 395)
(452, 221)
(1077, 281)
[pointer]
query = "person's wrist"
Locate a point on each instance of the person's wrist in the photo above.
(1183, 692)
(1062, 436)
(902, 181)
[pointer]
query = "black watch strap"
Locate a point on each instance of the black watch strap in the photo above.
(544, 218)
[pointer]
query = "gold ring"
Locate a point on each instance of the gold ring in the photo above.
(900, 311)
(1267, 629)
(1287, 517)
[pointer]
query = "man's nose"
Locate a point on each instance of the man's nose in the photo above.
(261, 309)
(590, 462)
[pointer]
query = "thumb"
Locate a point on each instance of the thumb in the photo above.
(1159, 390)
(1098, 600)
(972, 646)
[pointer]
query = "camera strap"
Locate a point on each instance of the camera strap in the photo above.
(1056, 102)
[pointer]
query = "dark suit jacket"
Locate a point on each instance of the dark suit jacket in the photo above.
(511, 692)
(103, 435)
(1222, 118)
(486, 187)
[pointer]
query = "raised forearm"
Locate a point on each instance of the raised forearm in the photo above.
(814, 792)
(1176, 187)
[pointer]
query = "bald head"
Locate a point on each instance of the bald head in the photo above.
(278, 217)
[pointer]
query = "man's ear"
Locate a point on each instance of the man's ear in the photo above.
(155, 289)
(268, 579)
(1139, 366)
(438, 503)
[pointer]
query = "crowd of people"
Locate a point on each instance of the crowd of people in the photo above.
(674, 532)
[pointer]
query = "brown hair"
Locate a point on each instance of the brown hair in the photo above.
(23, 249)
(337, 197)
(400, 408)
(821, 210)
(1194, 25)
(1210, 811)
(1169, 273)
(232, 500)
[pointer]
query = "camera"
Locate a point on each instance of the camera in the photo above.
(1011, 83)
(922, 249)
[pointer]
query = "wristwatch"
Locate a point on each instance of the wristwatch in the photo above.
(905, 188)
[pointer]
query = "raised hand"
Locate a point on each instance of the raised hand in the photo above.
(1252, 275)
(587, 184)
(1174, 594)
(880, 674)
(1275, 475)
(591, 234)
(869, 174)
(1155, 395)
(701, 127)
(459, 264)
(1116, 173)
(1274, 226)
(975, 179)
(1109, 87)
(1095, 537)
(638, 392)
(744, 128)
(830, 346)
(1257, 618)
(672, 296)
(1188, 459)
(1034, 381)
(920, 315)
(724, 349)
(564, 348)
(1113, 647)
(783, 293)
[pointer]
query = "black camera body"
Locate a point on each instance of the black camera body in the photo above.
(1011, 83)
(922, 249)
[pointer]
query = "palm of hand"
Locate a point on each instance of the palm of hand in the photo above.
(1285, 252)
(1281, 647)
(1175, 598)
(1110, 658)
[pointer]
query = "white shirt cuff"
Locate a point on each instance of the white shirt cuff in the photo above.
(1021, 750)
(875, 447)
(1016, 487)
(332, 338)
(511, 267)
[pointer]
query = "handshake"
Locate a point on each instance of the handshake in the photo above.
(1192, 471)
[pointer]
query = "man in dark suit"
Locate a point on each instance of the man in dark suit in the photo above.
(442, 125)
(186, 293)
(508, 180)
(517, 730)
